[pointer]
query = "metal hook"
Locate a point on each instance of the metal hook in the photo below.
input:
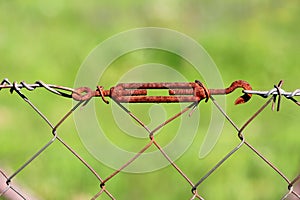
(235, 85)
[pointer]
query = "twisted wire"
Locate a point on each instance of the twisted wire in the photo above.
(277, 91)
(56, 89)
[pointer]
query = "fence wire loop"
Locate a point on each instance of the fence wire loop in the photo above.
(196, 195)
(297, 179)
(206, 91)
(192, 92)
(278, 94)
(100, 89)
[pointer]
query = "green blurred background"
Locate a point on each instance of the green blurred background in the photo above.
(48, 40)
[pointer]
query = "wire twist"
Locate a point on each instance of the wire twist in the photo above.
(276, 91)
(56, 89)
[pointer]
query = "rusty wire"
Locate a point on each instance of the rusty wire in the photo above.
(16, 87)
(137, 93)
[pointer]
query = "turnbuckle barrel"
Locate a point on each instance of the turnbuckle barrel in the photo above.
(178, 92)
(137, 92)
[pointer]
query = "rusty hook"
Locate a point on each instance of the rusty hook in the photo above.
(234, 85)
(205, 93)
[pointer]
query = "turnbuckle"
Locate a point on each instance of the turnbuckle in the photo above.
(178, 92)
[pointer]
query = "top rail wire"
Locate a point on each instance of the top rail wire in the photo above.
(274, 91)
(192, 92)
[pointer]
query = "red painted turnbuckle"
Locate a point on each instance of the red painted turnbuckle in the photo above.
(177, 92)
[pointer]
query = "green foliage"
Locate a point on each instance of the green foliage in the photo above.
(48, 40)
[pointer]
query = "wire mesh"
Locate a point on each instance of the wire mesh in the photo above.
(136, 93)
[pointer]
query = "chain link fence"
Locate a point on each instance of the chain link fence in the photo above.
(122, 94)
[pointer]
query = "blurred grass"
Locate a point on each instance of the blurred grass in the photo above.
(48, 40)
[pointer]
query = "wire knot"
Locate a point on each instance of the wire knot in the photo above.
(202, 91)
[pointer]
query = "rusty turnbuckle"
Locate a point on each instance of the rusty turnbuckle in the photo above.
(177, 92)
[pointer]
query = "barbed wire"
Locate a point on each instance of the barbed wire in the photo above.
(137, 93)
(50, 87)
(276, 91)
